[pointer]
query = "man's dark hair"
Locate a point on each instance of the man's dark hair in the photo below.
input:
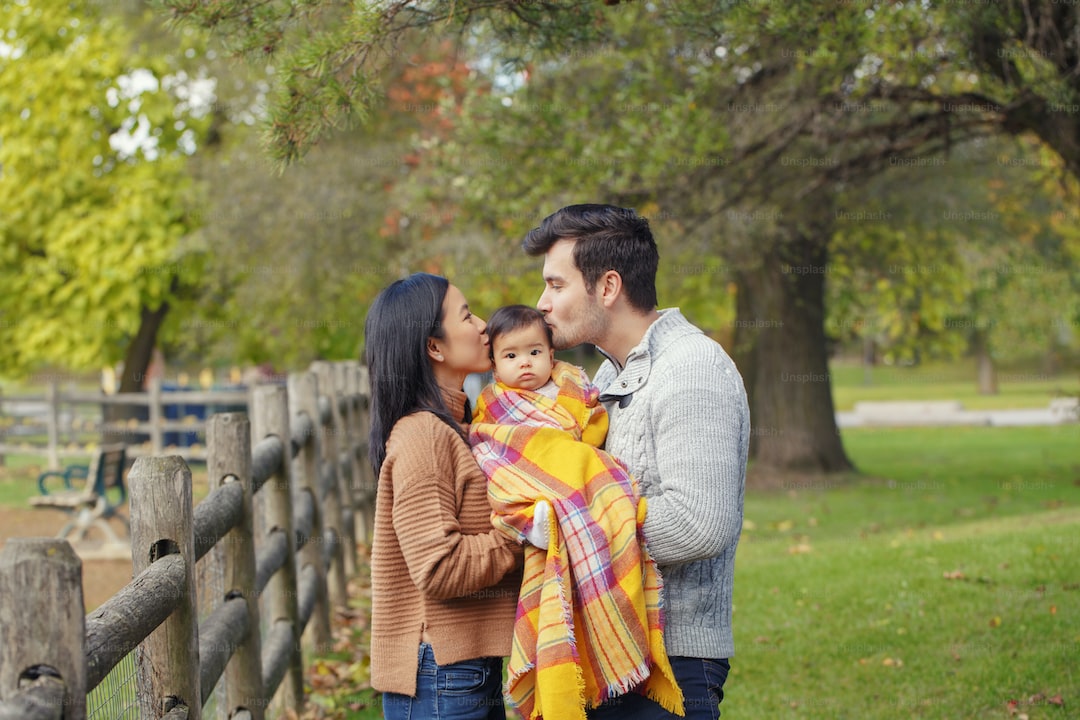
(515, 317)
(607, 238)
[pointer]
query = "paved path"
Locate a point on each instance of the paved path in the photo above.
(948, 412)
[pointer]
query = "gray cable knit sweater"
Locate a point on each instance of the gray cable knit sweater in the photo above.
(680, 421)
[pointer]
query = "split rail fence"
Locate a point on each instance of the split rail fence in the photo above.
(290, 491)
(64, 417)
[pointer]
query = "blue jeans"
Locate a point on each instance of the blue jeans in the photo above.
(702, 684)
(468, 690)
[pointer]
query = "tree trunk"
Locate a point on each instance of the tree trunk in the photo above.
(136, 363)
(869, 360)
(141, 349)
(780, 350)
(988, 384)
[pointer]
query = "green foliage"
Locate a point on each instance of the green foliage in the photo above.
(941, 259)
(329, 54)
(93, 141)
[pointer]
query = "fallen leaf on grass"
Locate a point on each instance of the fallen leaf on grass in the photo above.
(954, 575)
(800, 549)
(892, 662)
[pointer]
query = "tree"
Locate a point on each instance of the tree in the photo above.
(93, 141)
(941, 267)
(846, 91)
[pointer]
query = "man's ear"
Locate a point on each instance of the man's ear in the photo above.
(433, 350)
(610, 287)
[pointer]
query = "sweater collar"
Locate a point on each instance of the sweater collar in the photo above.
(670, 325)
(455, 403)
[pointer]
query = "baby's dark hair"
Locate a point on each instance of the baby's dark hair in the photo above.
(515, 317)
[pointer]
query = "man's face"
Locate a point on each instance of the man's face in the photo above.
(574, 315)
(523, 358)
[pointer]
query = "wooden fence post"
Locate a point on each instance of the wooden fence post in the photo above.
(304, 398)
(346, 451)
(42, 618)
(334, 499)
(368, 483)
(270, 416)
(52, 397)
(167, 662)
(156, 413)
(228, 439)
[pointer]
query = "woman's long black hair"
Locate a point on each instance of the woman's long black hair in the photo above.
(396, 333)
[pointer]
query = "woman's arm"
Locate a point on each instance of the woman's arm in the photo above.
(443, 561)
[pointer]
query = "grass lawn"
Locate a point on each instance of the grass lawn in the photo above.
(943, 582)
(1016, 389)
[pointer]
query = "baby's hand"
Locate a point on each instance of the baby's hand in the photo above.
(540, 533)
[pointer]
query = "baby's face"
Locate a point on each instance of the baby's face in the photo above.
(523, 358)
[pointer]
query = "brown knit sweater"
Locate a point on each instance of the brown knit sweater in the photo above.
(437, 566)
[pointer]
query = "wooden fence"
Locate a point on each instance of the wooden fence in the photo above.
(59, 415)
(279, 519)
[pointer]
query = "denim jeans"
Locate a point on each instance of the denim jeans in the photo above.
(702, 684)
(467, 690)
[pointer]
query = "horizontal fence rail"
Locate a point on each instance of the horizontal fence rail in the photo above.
(163, 419)
(278, 525)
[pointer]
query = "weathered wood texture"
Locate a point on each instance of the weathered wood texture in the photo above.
(167, 662)
(124, 620)
(42, 623)
(229, 467)
(304, 402)
(270, 417)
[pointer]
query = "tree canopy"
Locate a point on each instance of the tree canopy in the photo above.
(94, 135)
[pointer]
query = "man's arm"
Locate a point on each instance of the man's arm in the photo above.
(701, 423)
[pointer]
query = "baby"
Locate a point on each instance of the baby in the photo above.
(589, 623)
(522, 350)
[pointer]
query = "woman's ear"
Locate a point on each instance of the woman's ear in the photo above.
(433, 350)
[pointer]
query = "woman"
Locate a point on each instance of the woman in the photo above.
(444, 581)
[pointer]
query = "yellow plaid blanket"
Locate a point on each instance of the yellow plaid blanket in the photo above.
(589, 622)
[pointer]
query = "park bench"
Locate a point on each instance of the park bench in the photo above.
(96, 501)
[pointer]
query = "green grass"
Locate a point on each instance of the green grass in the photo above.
(876, 629)
(842, 604)
(1019, 388)
(942, 582)
(18, 477)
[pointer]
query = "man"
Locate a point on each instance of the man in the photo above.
(679, 419)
